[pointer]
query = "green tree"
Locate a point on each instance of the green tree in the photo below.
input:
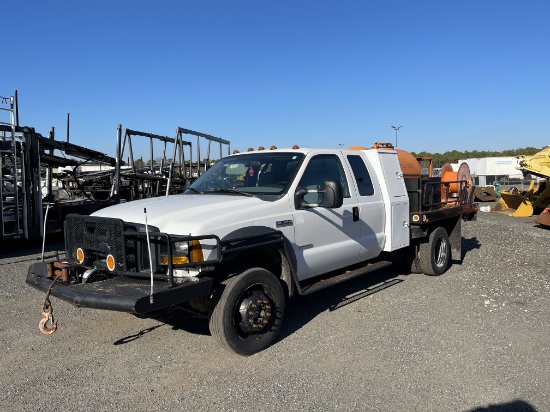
(454, 156)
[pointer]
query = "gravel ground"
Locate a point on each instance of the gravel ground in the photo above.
(474, 339)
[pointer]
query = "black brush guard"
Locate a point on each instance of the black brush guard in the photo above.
(127, 243)
(128, 288)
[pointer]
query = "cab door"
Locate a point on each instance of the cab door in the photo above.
(372, 213)
(325, 239)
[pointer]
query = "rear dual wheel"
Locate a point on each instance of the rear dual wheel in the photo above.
(248, 311)
(434, 256)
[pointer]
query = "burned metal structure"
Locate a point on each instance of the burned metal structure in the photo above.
(40, 187)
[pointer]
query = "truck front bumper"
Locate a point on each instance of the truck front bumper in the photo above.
(119, 293)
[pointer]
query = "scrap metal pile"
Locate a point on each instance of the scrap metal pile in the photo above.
(486, 193)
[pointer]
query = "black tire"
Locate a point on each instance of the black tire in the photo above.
(248, 311)
(435, 255)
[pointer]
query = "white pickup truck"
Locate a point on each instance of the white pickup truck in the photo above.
(255, 229)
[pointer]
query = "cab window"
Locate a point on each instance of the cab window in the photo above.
(362, 176)
(319, 169)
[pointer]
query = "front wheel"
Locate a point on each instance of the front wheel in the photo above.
(435, 255)
(248, 311)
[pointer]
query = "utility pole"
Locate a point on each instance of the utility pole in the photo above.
(396, 128)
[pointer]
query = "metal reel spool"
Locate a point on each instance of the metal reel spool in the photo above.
(447, 175)
(464, 189)
(464, 173)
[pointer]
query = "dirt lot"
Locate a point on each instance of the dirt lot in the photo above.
(474, 339)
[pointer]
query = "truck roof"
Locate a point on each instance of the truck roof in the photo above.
(306, 150)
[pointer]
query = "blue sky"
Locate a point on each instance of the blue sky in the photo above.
(464, 75)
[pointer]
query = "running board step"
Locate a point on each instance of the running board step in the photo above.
(339, 277)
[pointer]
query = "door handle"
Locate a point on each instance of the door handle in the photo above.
(355, 213)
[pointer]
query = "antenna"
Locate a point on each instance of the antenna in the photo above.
(150, 257)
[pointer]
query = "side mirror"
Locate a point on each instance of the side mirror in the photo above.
(332, 196)
(299, 201)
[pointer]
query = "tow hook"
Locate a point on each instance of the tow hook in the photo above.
(47, 312)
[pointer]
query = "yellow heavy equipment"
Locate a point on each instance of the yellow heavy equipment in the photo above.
(523, 204)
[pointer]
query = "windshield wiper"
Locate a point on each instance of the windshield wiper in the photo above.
(195, 190)
(233, 191)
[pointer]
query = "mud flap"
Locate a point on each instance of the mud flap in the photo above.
(455, 239)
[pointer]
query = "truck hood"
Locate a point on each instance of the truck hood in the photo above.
(195, 213)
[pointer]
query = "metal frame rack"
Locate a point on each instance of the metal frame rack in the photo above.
(28, 166)
(170, 175)
(12, 195)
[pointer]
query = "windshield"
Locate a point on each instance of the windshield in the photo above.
(256, 173)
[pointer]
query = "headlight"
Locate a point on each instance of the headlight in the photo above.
(181, 248)
(184, 252)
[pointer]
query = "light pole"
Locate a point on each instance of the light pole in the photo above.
(341, 144)
(396, 128)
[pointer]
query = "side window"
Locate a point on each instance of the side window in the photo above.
(319, 169)
(362, 176)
